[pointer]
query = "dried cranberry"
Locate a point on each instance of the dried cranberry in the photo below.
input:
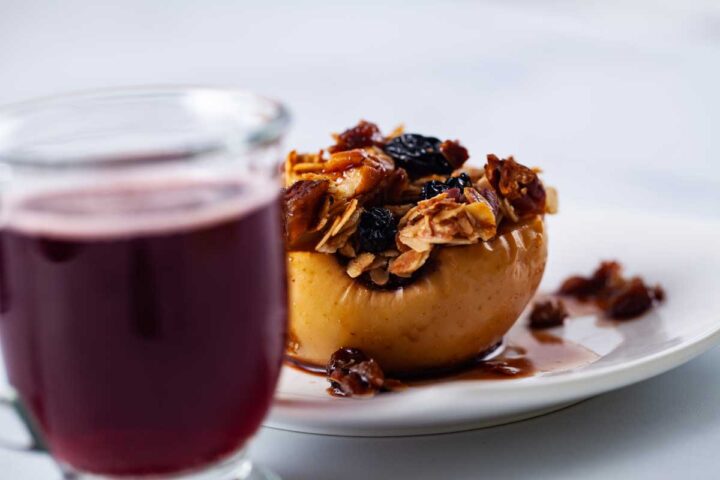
(547, 314)
(417, 154)
(376, 230)
(364, 134)
(351, 372)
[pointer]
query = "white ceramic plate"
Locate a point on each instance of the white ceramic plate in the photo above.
(681, 254)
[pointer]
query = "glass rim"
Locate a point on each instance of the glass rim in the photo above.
(270, 131)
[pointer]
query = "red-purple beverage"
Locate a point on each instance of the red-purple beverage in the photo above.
(144, 331)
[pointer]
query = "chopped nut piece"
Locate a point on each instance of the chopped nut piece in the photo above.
(364, 178)
(341, 161)
(547, 314)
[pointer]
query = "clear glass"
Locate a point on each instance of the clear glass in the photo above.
(142, 277)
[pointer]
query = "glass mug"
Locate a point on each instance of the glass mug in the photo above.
(142, 277)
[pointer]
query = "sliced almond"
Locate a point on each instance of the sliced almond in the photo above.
(323, 215)
(359, 264)
(397, 131)
(551, 200)
(408, 263)
(347, 214)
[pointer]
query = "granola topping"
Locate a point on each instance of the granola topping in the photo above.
(384, 204)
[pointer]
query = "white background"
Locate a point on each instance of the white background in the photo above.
(618, 101)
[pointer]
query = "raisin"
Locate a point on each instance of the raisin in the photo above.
(630, 301)
(417, 154)
(376, 230)
(301, 204)
(620, 298)
(658, 293)
(606, 277)
(547, 314)
(432, 188)
(436, 187)
(577, 286)
(608, 274)
(454, 153)
(364, 134)
(518, 184)
(461, 181)
(351, 372)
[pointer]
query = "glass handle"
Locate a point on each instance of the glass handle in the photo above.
(10, 402)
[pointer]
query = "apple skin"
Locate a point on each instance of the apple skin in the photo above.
(464, 305)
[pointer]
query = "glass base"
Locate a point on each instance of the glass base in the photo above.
(236, 467)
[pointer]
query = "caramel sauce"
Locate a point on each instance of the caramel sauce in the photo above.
(525, 354)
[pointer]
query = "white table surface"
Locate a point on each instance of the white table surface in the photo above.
(618, 101)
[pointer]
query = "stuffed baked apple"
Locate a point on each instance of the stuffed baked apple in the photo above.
(398, 250)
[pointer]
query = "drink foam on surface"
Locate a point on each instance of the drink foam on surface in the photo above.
(128, 209)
